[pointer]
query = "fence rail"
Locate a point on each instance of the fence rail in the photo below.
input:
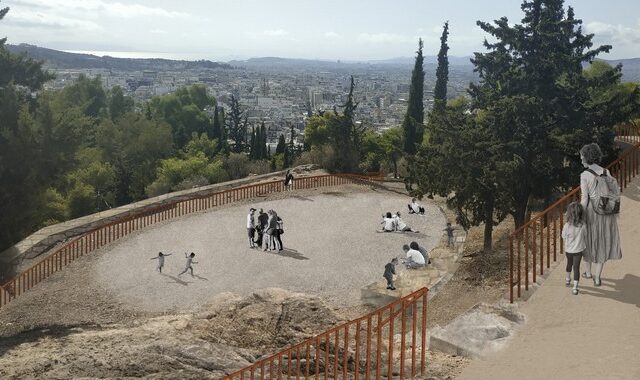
(390, 342)
(534, 245)
(103, 235)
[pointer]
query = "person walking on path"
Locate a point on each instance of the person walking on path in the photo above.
(603, 236)
(574, 234)
(288, 180)
(251, 228)
(389, 271)
(188, 265)
(160, 259)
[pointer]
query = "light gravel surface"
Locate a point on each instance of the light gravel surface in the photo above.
(332, 249)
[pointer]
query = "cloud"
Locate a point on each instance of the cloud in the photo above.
(275, 33)
(158, 31)
(331, 35)
(385, 38)
(48, 21)
(100, 6)
(614, 33)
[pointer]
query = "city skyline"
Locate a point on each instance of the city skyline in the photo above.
(328, 30)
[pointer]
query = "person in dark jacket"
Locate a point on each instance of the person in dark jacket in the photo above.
(263, 219)
(389, 271)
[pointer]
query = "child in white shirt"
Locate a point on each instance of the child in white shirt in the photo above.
(188, 266)
(160, 259)
(574, 235)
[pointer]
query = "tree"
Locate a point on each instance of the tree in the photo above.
(253, 147)
(414, 118)
(391, 143)
(533, 93)
(442, 72)
(119, 104)
(237, 126)
(282, 146)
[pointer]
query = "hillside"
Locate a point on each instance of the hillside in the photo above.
(62, 60)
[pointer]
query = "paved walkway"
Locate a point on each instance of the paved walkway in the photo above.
(595, 335)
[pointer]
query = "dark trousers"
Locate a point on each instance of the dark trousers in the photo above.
(389, 281)
(276, 235)
(573, 261)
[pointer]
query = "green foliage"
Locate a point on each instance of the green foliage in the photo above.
(85, 93)
(442, 72)
(81, 200)
(236, 165)
(192, 171)
(281, 147)
(119, 104)
(237, 126)
(414, 118)
(201, 144)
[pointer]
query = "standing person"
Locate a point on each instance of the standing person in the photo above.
(603, 236)
(574, 234)
(414, 258)
(389, 271)
(388, 222)
(422, 250)
(279, 230)
(262, 226)
(251, 228)
(267, 237)
(188, 266)
(160, 259)
(415, 207)
(449, 229)
(288, 180)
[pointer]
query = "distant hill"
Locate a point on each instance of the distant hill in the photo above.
(630, 68)
(63, 60)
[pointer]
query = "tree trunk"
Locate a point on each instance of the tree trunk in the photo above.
(488, 224)
(395, 168)
(520, 209)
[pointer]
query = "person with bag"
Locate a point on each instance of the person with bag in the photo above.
(279, 230)
(601, 202)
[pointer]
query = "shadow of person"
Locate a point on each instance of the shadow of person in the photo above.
(200, 277)
(175, 279)
(302, 198)
(624, 290)
(292, 253)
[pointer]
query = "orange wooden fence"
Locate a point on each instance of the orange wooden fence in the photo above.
(534, 245)
(390, 342)
(101, 236)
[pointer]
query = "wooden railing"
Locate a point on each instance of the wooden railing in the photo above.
(536, 243)
(101, 236)
(390, 342)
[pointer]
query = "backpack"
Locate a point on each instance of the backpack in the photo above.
(606, 200)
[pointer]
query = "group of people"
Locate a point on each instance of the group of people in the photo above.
(188, 265)
(268, 227)
(394, 223)
(416, 257)
(591, 231)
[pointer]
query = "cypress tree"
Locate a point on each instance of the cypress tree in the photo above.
(266, 151)
(412, 124)
(442, 72)
(253, 145)
(281, 147)
(216, 132)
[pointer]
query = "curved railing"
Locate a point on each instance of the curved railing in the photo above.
(536, 243)
(389, 342)
(103, 235)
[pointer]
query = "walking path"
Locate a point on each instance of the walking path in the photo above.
(594, 335)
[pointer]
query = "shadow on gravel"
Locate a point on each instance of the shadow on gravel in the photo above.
(291, 253)
(175, 279)
(30, 336)
(302, 198)
(624, 290)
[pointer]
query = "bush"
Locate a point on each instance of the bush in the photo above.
(259, 167)
(81, 200)
(323, 155)
(179, 174)
(236, 165)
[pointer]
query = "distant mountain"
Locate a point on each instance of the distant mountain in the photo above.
(63, 60)
(630, 68)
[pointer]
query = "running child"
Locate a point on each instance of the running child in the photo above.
(389, 271)
(160, 259)
(574, 235)
(188, 266)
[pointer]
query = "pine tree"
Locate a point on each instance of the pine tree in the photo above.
(216, 131)
(281, 147)
(414, 118)
(237, 126)
(253, 146)
(442, 72)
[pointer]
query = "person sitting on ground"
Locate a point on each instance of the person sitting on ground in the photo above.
(422, 250)
(389, 271)
(414, 258)
(415, 207)
(401, 225)
(388, 222)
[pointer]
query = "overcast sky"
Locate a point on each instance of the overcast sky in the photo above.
(324, 29)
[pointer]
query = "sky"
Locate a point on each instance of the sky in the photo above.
(319, 29)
